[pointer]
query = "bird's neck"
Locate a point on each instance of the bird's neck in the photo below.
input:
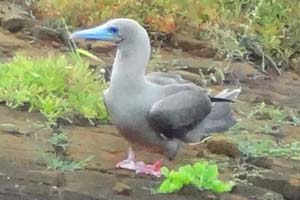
(130, 65)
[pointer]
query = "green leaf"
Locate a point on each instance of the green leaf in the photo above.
(88, 54)
(202, 175)
(211, 171)
(164, 171)
(221, 187)
(165, 187)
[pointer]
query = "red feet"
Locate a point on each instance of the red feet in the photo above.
(140, 167)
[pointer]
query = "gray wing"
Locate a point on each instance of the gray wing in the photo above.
(162, 78)
(180, 111)
(220, 118)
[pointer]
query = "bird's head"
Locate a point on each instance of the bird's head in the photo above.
(119, 31)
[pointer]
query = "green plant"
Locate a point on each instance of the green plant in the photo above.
(267, 129)
(158, 15)
(56, 87)
(201, 175)
(59, 140)
(265, 32)
(262, 111)
(293, 119)
(212, 75)
(268, 148)
(254, 147)
(55, 162)
(225, 41)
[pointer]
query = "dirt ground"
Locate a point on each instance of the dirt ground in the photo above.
(24, 176)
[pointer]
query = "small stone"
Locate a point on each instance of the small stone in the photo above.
(295, 181)
(121, 188)
(10, 128)
(193, 46)
(223, 145)
(45, 33)
(188, 43)
(14, 23)
(64, 49)
(55, 44)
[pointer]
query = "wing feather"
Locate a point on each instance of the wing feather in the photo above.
(176, 114)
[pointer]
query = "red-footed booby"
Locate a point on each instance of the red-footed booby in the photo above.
(158, 111)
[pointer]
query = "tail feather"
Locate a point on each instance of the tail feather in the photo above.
(231, 95)
(220, 118)
(216, 99)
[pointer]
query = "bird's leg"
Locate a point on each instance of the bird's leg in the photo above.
(129, 162)
(140, 167)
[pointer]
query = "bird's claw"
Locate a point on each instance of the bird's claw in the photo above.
(140, 167)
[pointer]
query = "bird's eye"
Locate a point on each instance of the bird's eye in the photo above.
(113, 29)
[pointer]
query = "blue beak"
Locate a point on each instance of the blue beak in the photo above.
(103, 33)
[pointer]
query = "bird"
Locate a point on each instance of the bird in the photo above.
(157, 111)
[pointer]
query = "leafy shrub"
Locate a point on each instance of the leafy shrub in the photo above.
(55, 87)
(162, 15)
(266, 30)
(263, 31)
(201, 175)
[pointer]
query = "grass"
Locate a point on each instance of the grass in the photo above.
(54, 86)
(262, 143)
(257, 134)
(268, 148)
(268, 112)
(59, 140)
(55, 162)
(201, 175)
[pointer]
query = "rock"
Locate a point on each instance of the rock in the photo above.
(191, 192)
(7, 127)
(14, 130)
(45, 33)
(34, 176)
(223, 145)
(244, 72)
(55, 44)
(14, 23)
(18, 183)
(121, 188)
(233, 197)
(205, 52)
(192, 45)
(22, 190)
(69, 194)
(253, 192)
(24, 35)
(55, 178)
(288, 186)
(281, 165)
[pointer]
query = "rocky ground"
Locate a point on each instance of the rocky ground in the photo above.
(23, 175)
